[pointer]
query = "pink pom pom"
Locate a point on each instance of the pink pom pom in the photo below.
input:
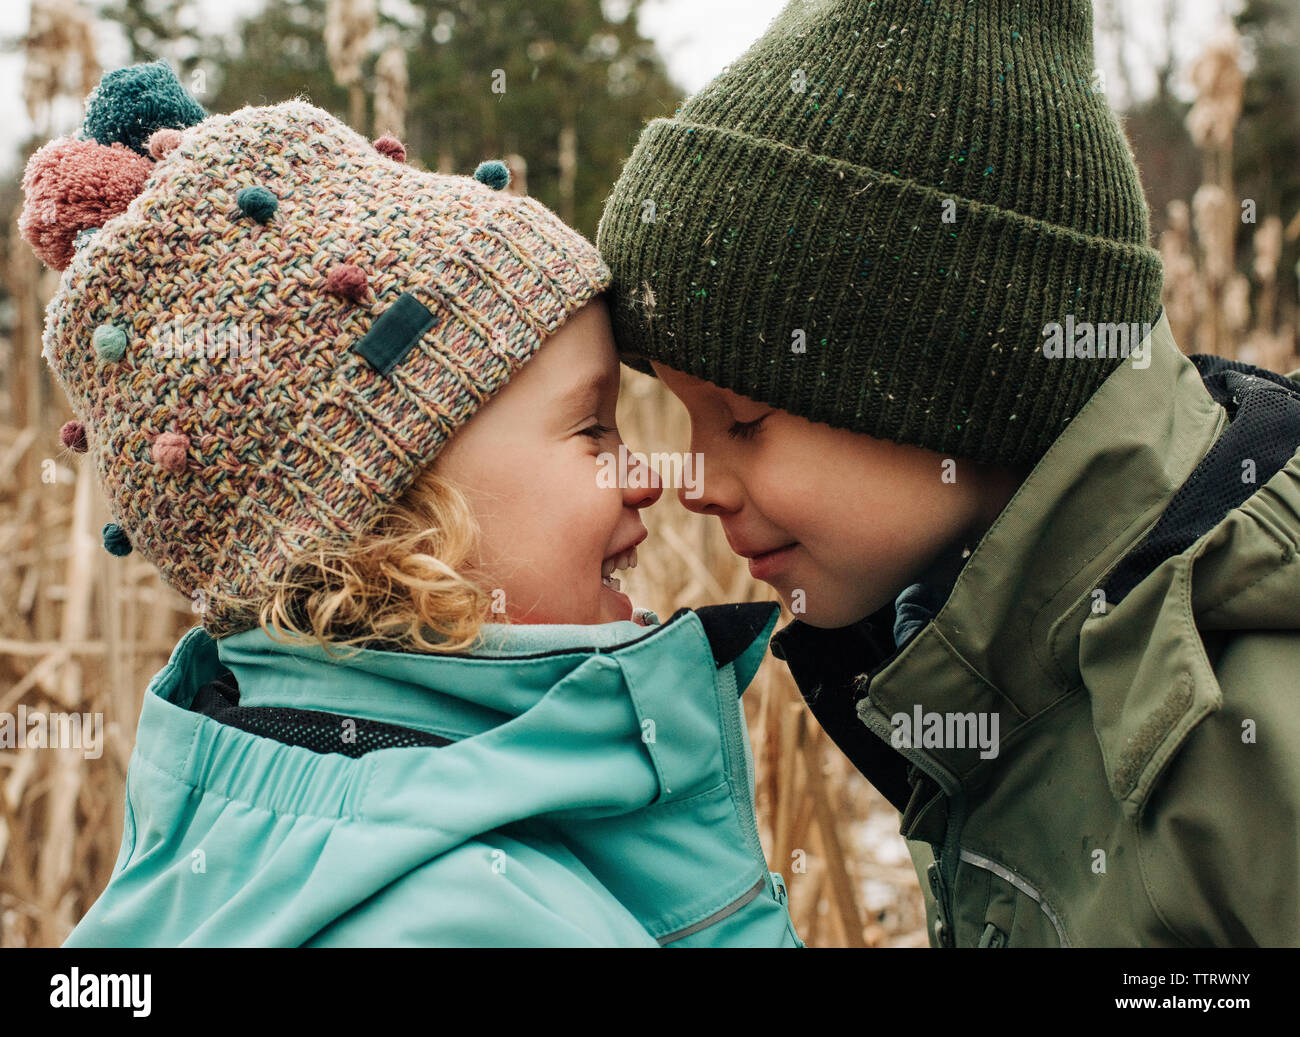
(347, 280)
(71, 185)
(392, 147)
(171, 450)
(73, 436)
(164, 141)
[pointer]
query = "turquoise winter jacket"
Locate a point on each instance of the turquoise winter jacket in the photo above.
(566, 786)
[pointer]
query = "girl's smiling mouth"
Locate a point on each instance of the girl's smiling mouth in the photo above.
(625, 559)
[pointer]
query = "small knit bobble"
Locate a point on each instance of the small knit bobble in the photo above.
(73, 436)
(392, 147)
(110, 343)
(115, 541)
(163, 142)
(496, 174)
(257, 202)
(84, 238)
(347, 280)
(171, 450)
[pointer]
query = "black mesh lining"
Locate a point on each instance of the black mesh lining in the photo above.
(1264, 411)
(312, 729)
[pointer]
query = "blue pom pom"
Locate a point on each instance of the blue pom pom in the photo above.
(130, 103)
(115, 541)
(109, 342)
(258, 203)
(496, 174)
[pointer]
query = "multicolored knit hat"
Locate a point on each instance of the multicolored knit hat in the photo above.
(872, 215)
(267, 325)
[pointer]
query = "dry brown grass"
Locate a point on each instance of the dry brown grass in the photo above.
(84, 631)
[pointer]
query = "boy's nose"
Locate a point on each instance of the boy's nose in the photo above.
(715, 497)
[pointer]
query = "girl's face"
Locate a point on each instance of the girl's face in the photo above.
(527, 461)
(836, 522)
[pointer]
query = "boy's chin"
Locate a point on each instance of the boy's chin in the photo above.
(827, 611)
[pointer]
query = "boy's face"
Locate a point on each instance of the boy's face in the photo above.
(527, 461)
(847, 520)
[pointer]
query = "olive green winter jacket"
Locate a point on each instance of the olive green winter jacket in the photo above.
(1132, 623)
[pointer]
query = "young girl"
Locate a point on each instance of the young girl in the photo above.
(418, 711)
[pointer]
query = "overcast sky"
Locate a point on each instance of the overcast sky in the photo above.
(697, 38)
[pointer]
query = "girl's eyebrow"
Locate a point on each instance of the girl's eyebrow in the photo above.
(581, 392)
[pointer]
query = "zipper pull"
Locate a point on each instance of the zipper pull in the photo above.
(942, 927)
(778, 887)
(993, 937)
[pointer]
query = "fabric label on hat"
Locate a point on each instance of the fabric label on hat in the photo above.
(395, 332)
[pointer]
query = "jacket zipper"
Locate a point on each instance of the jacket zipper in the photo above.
(942, 873)
(739, 768)
(1010, 877)
(718, 915)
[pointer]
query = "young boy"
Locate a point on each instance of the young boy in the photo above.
(1044, 566)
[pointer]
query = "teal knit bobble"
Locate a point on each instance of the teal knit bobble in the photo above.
(130, 103)
(257, 202)
(495, 173)
(110, 343)
(115, 541)
(84, 238)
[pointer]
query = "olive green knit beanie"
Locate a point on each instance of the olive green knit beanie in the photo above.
(873, 215)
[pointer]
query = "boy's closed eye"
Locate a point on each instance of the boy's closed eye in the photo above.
(746, 429)
(598, 431)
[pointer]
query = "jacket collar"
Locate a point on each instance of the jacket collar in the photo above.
(1006, 640)
(455, 696)
(508, 672)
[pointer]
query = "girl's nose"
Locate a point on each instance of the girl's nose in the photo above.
(644, 486)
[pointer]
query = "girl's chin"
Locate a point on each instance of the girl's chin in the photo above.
(614, 605)
(611, 607)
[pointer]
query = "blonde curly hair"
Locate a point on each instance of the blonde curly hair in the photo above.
(407, 577)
